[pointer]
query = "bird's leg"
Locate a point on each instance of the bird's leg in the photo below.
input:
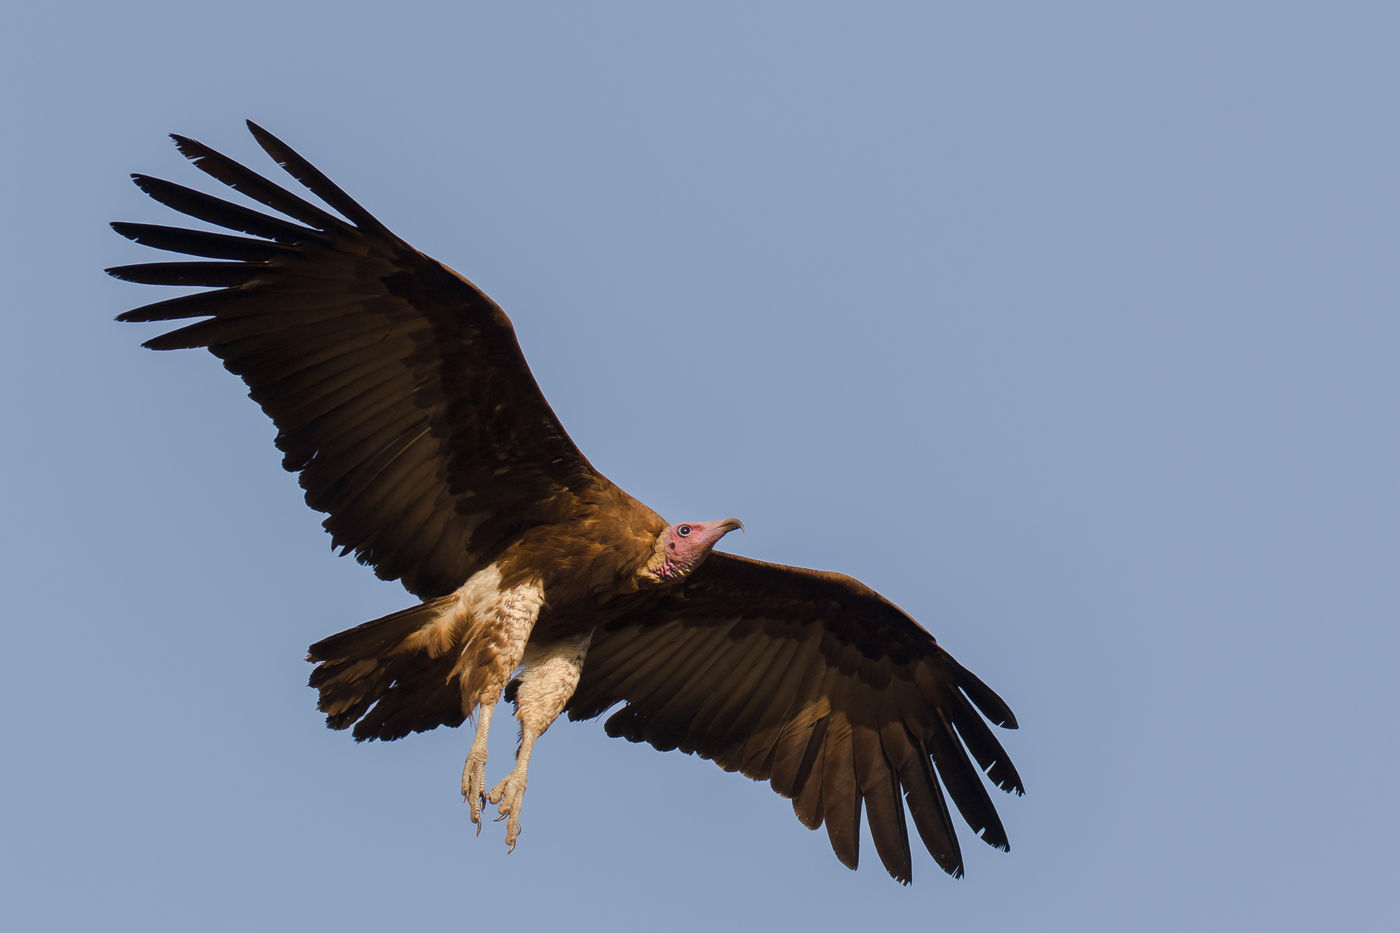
(474, 771)
(509, 794)
(550, 676)
(499, 627)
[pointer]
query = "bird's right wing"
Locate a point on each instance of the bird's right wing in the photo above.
(817, 684)
(398, 388)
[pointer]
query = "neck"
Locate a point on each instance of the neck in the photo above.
(663, 568)
(672, 571)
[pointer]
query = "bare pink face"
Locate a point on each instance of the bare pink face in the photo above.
(689, 542)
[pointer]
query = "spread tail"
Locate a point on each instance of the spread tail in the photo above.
(373, 677)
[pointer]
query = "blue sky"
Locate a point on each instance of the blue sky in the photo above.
(1070, 328)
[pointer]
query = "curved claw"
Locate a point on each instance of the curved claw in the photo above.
(509, 795)
(473, 785)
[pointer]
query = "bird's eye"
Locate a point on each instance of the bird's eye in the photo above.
(683, 531)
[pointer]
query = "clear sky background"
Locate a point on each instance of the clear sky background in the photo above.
(1072, 328)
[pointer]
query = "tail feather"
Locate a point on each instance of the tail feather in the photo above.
(372, 676)
(423, 696)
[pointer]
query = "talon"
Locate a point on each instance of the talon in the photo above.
(508, 796)
(512, 834)
(473, 782)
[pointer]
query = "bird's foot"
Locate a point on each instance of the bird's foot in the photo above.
(474, 786)
(509, 795)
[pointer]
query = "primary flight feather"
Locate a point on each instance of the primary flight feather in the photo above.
(402, 399)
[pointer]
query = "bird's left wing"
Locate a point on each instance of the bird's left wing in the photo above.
(817, 684)
(398, 388)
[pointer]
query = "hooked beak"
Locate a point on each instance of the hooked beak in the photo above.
(713, 531)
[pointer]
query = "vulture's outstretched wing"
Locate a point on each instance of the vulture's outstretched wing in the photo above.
(398, 389)
(817, 684)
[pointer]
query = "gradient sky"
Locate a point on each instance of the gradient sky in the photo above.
(1072, 328)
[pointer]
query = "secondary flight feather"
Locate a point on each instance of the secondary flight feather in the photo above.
(402, 399)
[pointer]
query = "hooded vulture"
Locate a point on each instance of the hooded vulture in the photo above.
(402, 399)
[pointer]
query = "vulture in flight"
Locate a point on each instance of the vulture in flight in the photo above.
(402, 399)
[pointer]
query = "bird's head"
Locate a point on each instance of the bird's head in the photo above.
(681, 548)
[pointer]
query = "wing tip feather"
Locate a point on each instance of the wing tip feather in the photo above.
(191, 149)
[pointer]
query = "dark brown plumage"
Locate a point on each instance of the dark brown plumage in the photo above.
(402, 399)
